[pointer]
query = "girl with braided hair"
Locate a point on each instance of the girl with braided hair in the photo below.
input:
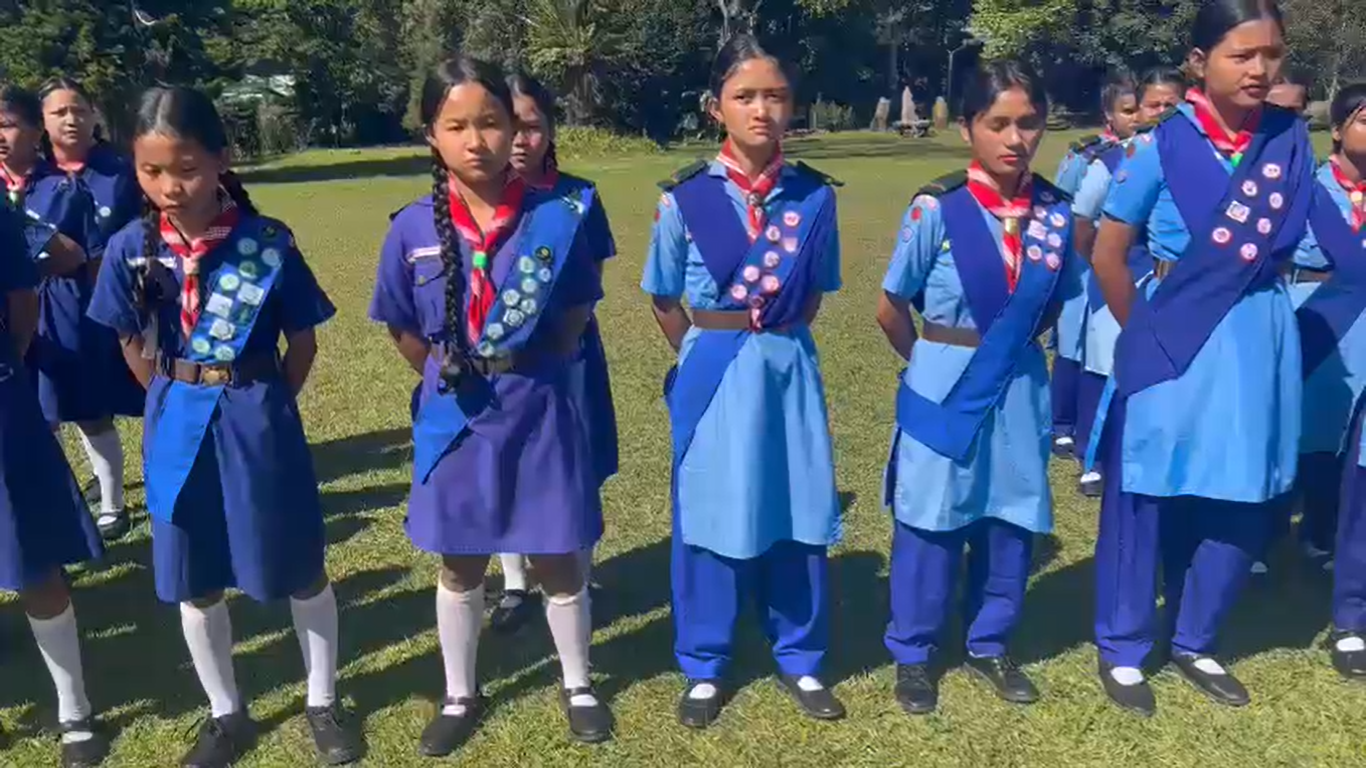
(486, 287)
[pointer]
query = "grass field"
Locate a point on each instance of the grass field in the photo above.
(355, 408)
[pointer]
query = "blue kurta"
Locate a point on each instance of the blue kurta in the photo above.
(1006, 474)
(760, 468)
(1229, 427)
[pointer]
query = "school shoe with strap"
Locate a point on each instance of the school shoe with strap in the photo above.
(1128, 689)
(114, 525)
(1064, 447)
(337, 742)
(221, 741)
(590, 721)
(917, 688)
(1005, 678)
(447, 733)
(1349, 655)
(1091, 485)
(701, 703)
(514, 611)
(812, 697)
(1210, 678)
(83, 752)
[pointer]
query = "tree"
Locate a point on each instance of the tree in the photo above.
(1328, 37)
(569, 43)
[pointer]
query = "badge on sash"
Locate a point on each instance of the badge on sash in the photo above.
(251, 294)
(218, 304)
(1238, 212)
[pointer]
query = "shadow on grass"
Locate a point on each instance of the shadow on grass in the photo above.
(416, 165)
(387, 449)
(348, 503)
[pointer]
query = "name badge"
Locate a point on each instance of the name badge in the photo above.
(251, 294)
(218, 304)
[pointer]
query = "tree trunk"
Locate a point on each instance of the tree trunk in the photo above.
(894, 62)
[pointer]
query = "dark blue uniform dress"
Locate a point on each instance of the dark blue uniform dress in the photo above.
(80, 369)
(230, 481)
(44, 523)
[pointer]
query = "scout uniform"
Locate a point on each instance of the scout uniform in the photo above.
(754, 499)
(1204, 430)
(969, 459)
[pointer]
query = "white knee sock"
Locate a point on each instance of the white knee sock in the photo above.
(315, 623)
(571, 626)
(514, 572)
(106, 458)
(60, 643)
(208, 634)
(459, 618)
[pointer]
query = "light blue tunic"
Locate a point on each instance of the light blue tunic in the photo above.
(1229, 427)
(1005, 476)
(760, 469)
(1069, 336)
(1334, 385)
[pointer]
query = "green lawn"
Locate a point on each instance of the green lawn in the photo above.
(356, 410)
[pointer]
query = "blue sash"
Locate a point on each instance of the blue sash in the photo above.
(236, 293)
(1235, 242)
(1007, 322)
(1331, 311)
(545, 245)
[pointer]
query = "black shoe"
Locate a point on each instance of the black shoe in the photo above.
(1137, 698)
(700, 713)
(88, 752)
(337, 744)
(1064, 447)
(1009, 682)
(820, 704)
(447, 733)
(917, 689)
(590, 724)
(114, 525)
(1091, 487)
(1221, 686)
(1349, 664)
(221, 741)
(512, 613)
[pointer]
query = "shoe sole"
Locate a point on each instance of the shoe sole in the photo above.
(1130, 708)
(791, 694)
(918, 711)
(596, 738)
(1208, 694)
(984, 680)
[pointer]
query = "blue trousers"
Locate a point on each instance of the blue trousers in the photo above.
(1090, 387)
(1349, 557)
(1318, 482)
(1066, 375)
(1204, 547)
(925, 566)
(790, 584)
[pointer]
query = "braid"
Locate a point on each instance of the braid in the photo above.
(450, 257)
(552, 161)
(151, 245)
(232, 184)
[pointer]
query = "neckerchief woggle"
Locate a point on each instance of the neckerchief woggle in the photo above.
(544, 247)
(249, 267)
(1006, 321)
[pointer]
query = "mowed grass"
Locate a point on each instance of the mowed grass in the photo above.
(356, 411)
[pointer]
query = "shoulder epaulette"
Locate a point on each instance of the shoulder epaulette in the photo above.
(823, 176)
(1085, 142)
(683, 174)
(1165, 116)
(944, 184)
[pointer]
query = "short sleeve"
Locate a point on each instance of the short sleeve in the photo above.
(303, 304)
(1309, 255)
(1065, 177)
(599, 232)
(392, 302)
(917, 246)
(666, 264)
(112, 304)
(1090, 197)
(1138, 182)
(17, 270)
(829, 275)
(579, 283)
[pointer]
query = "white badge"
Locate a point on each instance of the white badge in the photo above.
(229, 283)
(1248, 252)
(251, 294)
(1037, 230)
(222, 330)
(105, 212)
(225, 353)
(1238, 212)
(218, 304)
(1271, 171)
(271, 258)
(247, 246)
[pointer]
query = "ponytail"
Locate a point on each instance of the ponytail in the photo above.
(551, 164)
(232, 184)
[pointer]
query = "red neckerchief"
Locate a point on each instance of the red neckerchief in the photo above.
(191, 253)
(1356, 194)
(1010, 212)
(756, 191)
(483, 244)
(1231, 144)
(1109, 136)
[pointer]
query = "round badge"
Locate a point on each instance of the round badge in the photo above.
(105, 212)
(511, 297)
(1248, 252)
(544, 274)
(248, 247)
(1057, 220)
(514, 318)
(739, 292)
(229, 283)
(271, 258)
(773, 234)
(792, 218)
(1054, 240)
(772, 259)
(770, 284)
(1250, 188)
(1277, 201)
(751, 274)
(529, 306)
(495, 331)
(200, 345)
(526, 265)
(1222, 236)
(916, 213)
(1271, 171)
(249, 270)
(225, 354)
(1034, 252)
(485, 349)
(1040, 212)
(529, 285)
(1264, 226)
(1053, 261)
(543, 253)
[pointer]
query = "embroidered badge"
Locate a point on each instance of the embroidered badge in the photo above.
(1053, 261)
(1037, 230)
(1040, 212)
(529, 306)
(1248, 252)
(526, 265)
(543, 253)
(1054, 240)
(249, 270)
(224, 354)
(1277, 201)
(1264, 226)
(485, 349)
(251, 294)
(1238, 212)
(201, 345)
(229, 283)
(792, 218)
(751, 274)
(1034, 252)
(529, 285)
(790, 244)
(514, 318)
(917, 213)
(544, 274)
(739, 292)
(1250, 188)
(105, 212)
(1057, 220)
(495, 331)
(248, 247)
(218, 304)
(222, 330)
(773, 234)
(511, 297)
(770, 284)
(1271, 171)
(271, 258)
(772, 259)
(1222, 236)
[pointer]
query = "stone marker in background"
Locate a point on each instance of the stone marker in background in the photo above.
(941, 114)
(908, 115)
(884, 109)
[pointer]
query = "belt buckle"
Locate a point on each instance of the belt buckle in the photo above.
(214, 376)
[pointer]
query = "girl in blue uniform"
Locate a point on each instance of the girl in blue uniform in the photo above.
(200, 291)
(88, 192)
(44, 519)
(21, 136)
(1204, 429)
(533, 158)
(753, 244)
(985, 257)
(486, 287)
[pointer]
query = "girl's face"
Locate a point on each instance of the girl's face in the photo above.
(179, 176)
(69, 120)
(1242, 67)
(1351, 136)
(1157, 99)
(1126, 116)
(755, 104)
(1005, 137)
(18, 140)
(532, 139)
(473, 134)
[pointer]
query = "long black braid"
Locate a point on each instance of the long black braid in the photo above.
(452, 264)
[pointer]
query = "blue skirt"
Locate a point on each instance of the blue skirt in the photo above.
(591, 372)
(44, 523)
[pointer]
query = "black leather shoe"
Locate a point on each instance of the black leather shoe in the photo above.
(590, 724)
(1064, 447)
(1349, 664)
(917, 689)
(514, 612)
(820, 704)
(1137, 698)
(221, 741)
(337, 743)
(86, 753)
(447, 733)
(700, 713)
(114, 525)
(1092, 487)
(1009, 682)
(1221, 686)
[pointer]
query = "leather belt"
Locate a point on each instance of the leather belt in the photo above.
(720, 320)
(1310, 276)
(957, 337)
(245, 371)
(1162, 268)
